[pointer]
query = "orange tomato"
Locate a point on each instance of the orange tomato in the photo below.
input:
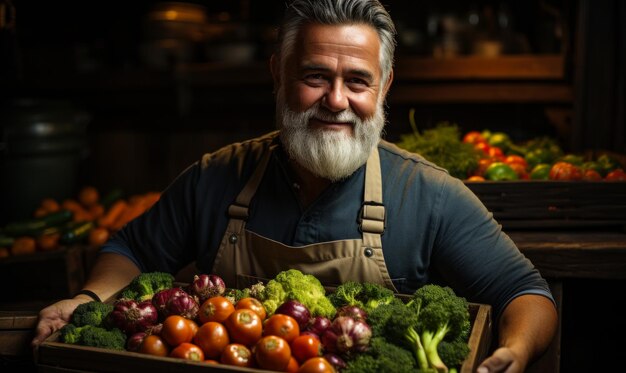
(476, 178)
(216, 309)
(316, 365)
(616, 175)
(272, 353)
(154, 345)
(176, 330)
(212, 337)
(282, 326)
(565, 171)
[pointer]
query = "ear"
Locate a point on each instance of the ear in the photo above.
(275, 69)
(388, 84)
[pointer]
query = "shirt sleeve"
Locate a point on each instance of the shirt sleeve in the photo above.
(159, 239)
(476, 257)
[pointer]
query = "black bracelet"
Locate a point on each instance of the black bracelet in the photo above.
(90, 294)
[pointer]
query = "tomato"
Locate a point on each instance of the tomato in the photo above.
(482, 146)
(244, 326)
(520, 170)
(154, 345)
(473, 137)
(515, 159)
(293, 366)
(305, 347)
(540, 171)
(211, 361)
(272, 352)
(238, 355)
(215, 309)
(252, 304)
(565, 171)
(176, 330)
(316, 365)
(496, 153)
(616, 175)
(283, 326)
(48, 242)
(188, 351)
(499, 171)
(212, 337)
(476, 178)
(499, 140)
(193, 325)
(483, 163)
(591, 175)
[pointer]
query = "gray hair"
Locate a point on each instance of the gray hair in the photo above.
(339, 12)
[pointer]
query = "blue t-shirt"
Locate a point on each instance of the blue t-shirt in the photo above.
(436, 229)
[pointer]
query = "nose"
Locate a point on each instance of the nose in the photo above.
(335, 98)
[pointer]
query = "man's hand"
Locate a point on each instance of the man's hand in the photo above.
(503, 360)
(54, 317)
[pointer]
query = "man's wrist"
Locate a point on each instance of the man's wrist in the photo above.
(87, 294)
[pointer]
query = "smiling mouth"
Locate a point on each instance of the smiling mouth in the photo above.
(316, 122)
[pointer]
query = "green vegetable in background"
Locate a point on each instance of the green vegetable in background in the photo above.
(442, 145)
(364, 295)
(540, 172)
(500, 171)
(501, 140)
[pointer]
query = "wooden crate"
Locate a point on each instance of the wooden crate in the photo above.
(554, 204)
(55, 356)
(48, 275)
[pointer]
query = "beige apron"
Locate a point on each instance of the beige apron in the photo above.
(244, 257)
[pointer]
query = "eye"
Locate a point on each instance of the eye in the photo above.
(315, 78)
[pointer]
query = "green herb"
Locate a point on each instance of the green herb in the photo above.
(442, 145)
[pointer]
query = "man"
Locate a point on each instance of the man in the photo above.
(326, 196)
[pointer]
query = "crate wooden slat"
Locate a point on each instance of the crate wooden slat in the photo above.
(554, 204)
(53, 356)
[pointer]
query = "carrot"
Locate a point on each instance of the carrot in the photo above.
(23, 245)
(50, 205)
(96, 211)
(134, 210)
(113, 213)
(80, 214)
(98, 236)
(88, 196)
(48, 242)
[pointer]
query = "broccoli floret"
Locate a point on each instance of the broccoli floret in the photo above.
(94, 336)
(295, 285)
(442, 315)
(382, 356)
(233, 295)
(145, 285)
(453, 353)
(365, 295)
(91, 313)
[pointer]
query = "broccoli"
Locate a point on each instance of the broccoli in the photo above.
(453, 353)
(94, 336)
(366, 295)
(441, 315)
(145, 285)
(91, 313)
(295, 285)
(234, 295)
(382, 356)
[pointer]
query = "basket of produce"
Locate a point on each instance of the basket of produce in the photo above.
(290, 323)
(62, 239)
(534, 184)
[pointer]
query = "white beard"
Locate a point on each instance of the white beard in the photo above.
(328, 154)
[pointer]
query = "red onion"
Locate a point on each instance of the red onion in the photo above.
(175, 301)
(134, 341)
(335, 360)
(355, 312)
(346, 335)
(132, 317)
(161, 298)
(318, 325)
(206, 286)
(296, 310)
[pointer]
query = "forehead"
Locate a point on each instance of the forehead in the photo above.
(356, 43)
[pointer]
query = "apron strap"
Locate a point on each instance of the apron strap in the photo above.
(372, 216)
(240, 208)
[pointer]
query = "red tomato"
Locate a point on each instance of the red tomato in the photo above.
(565, 171)
(476, 178)
(177, 330)
(215, 309)
(244, 326)
(154, 345)
(283, 326)
(306, 346)
(193, 325)
(515, 159)
(483, 164)
(188, 351)
(496, 153)
(520, 170)
(591, 175)
(316, 365)
(252, 304)
(473, 137)
(211, 361)
(483, 146)
(212, 338)
(616, 175)
(238, 355)
(272, 352)
(293, 366)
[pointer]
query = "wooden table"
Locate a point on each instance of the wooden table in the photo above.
(563, 255)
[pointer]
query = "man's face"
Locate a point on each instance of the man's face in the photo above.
(330, 96)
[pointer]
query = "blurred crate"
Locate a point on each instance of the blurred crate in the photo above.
(54, 356)
(50, 275)
(554, 204)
